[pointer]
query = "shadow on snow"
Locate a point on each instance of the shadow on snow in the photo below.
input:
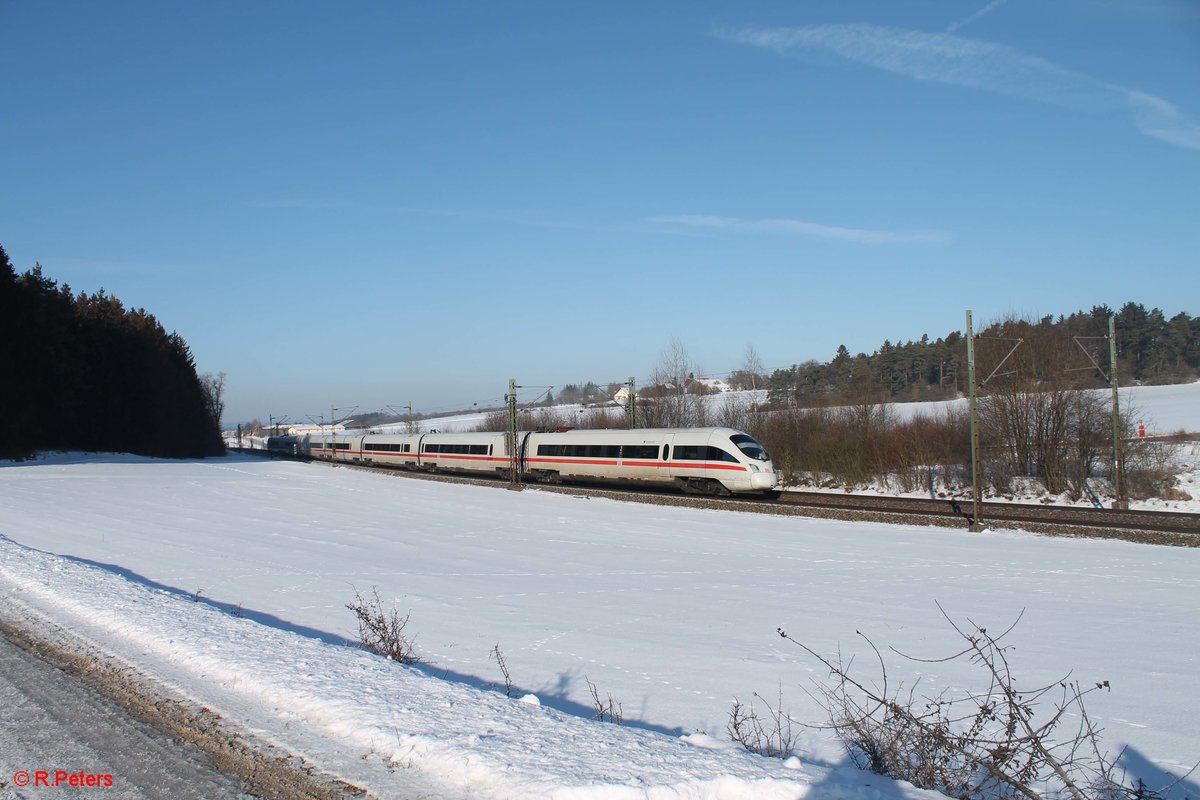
(553, 696)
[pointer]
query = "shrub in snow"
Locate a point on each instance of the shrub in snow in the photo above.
(770, 734)
(382, 631)
(995, 741)
(606, 710)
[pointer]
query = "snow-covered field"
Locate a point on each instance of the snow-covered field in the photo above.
(1163, 410)
(228, 579)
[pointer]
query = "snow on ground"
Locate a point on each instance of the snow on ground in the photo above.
(1163, 410)
(229, 578)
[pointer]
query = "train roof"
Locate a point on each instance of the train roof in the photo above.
(581, 432)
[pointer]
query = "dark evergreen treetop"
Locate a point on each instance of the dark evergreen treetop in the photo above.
(83, 373)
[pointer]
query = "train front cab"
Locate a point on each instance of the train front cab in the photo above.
(762, 475)
(721, 460)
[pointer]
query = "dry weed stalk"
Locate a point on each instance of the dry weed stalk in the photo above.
(996, 742)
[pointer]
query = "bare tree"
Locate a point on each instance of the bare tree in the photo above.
(751, 374)
(213, 387)
(671, 403)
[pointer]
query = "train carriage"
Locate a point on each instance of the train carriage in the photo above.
(698, 460)
(465, 452)
(392, 450)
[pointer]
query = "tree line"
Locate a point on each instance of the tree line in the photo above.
(82, 372)
(1040, 417)
(1151, 349)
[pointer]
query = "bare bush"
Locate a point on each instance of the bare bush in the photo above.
(606, 710)
(772, 734)
(995, 741)
(382, 630)
(1148, 468)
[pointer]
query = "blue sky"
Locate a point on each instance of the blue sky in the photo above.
(372, 203)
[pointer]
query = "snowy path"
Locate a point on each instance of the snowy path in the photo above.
(53, 724)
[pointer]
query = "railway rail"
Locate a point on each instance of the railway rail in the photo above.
(1155, 527)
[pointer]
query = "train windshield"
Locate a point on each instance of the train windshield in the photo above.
(749, 446)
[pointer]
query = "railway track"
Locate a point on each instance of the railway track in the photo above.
(1155, 527)
(992, 512)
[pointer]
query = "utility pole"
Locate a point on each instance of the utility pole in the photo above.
(333, 414)
(977, 523)
(319, 422)
(275, 422)
(408, 421)
(631, 403)
(976, 506)
(514, 456)
(1121, 502)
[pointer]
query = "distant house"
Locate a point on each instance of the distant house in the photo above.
(706, 385)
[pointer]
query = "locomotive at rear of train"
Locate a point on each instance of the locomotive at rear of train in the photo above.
(716, 461)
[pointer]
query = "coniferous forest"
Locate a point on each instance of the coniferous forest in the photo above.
(82, 372)
(1151, 349)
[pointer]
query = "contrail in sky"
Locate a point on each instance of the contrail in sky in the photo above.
(961, 61)
(990, 7)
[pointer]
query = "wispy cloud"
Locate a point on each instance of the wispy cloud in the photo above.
(960, 61)
(676, 224)
(798, 227)
(989, 8)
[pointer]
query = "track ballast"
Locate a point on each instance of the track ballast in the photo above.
(1154, 527)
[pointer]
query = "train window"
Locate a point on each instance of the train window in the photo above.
(648, 451)
(666, 451)
(458, 449)
(699, 452)
(579, 450)
(750, 446)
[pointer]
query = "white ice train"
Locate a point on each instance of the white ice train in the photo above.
(716, 461)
